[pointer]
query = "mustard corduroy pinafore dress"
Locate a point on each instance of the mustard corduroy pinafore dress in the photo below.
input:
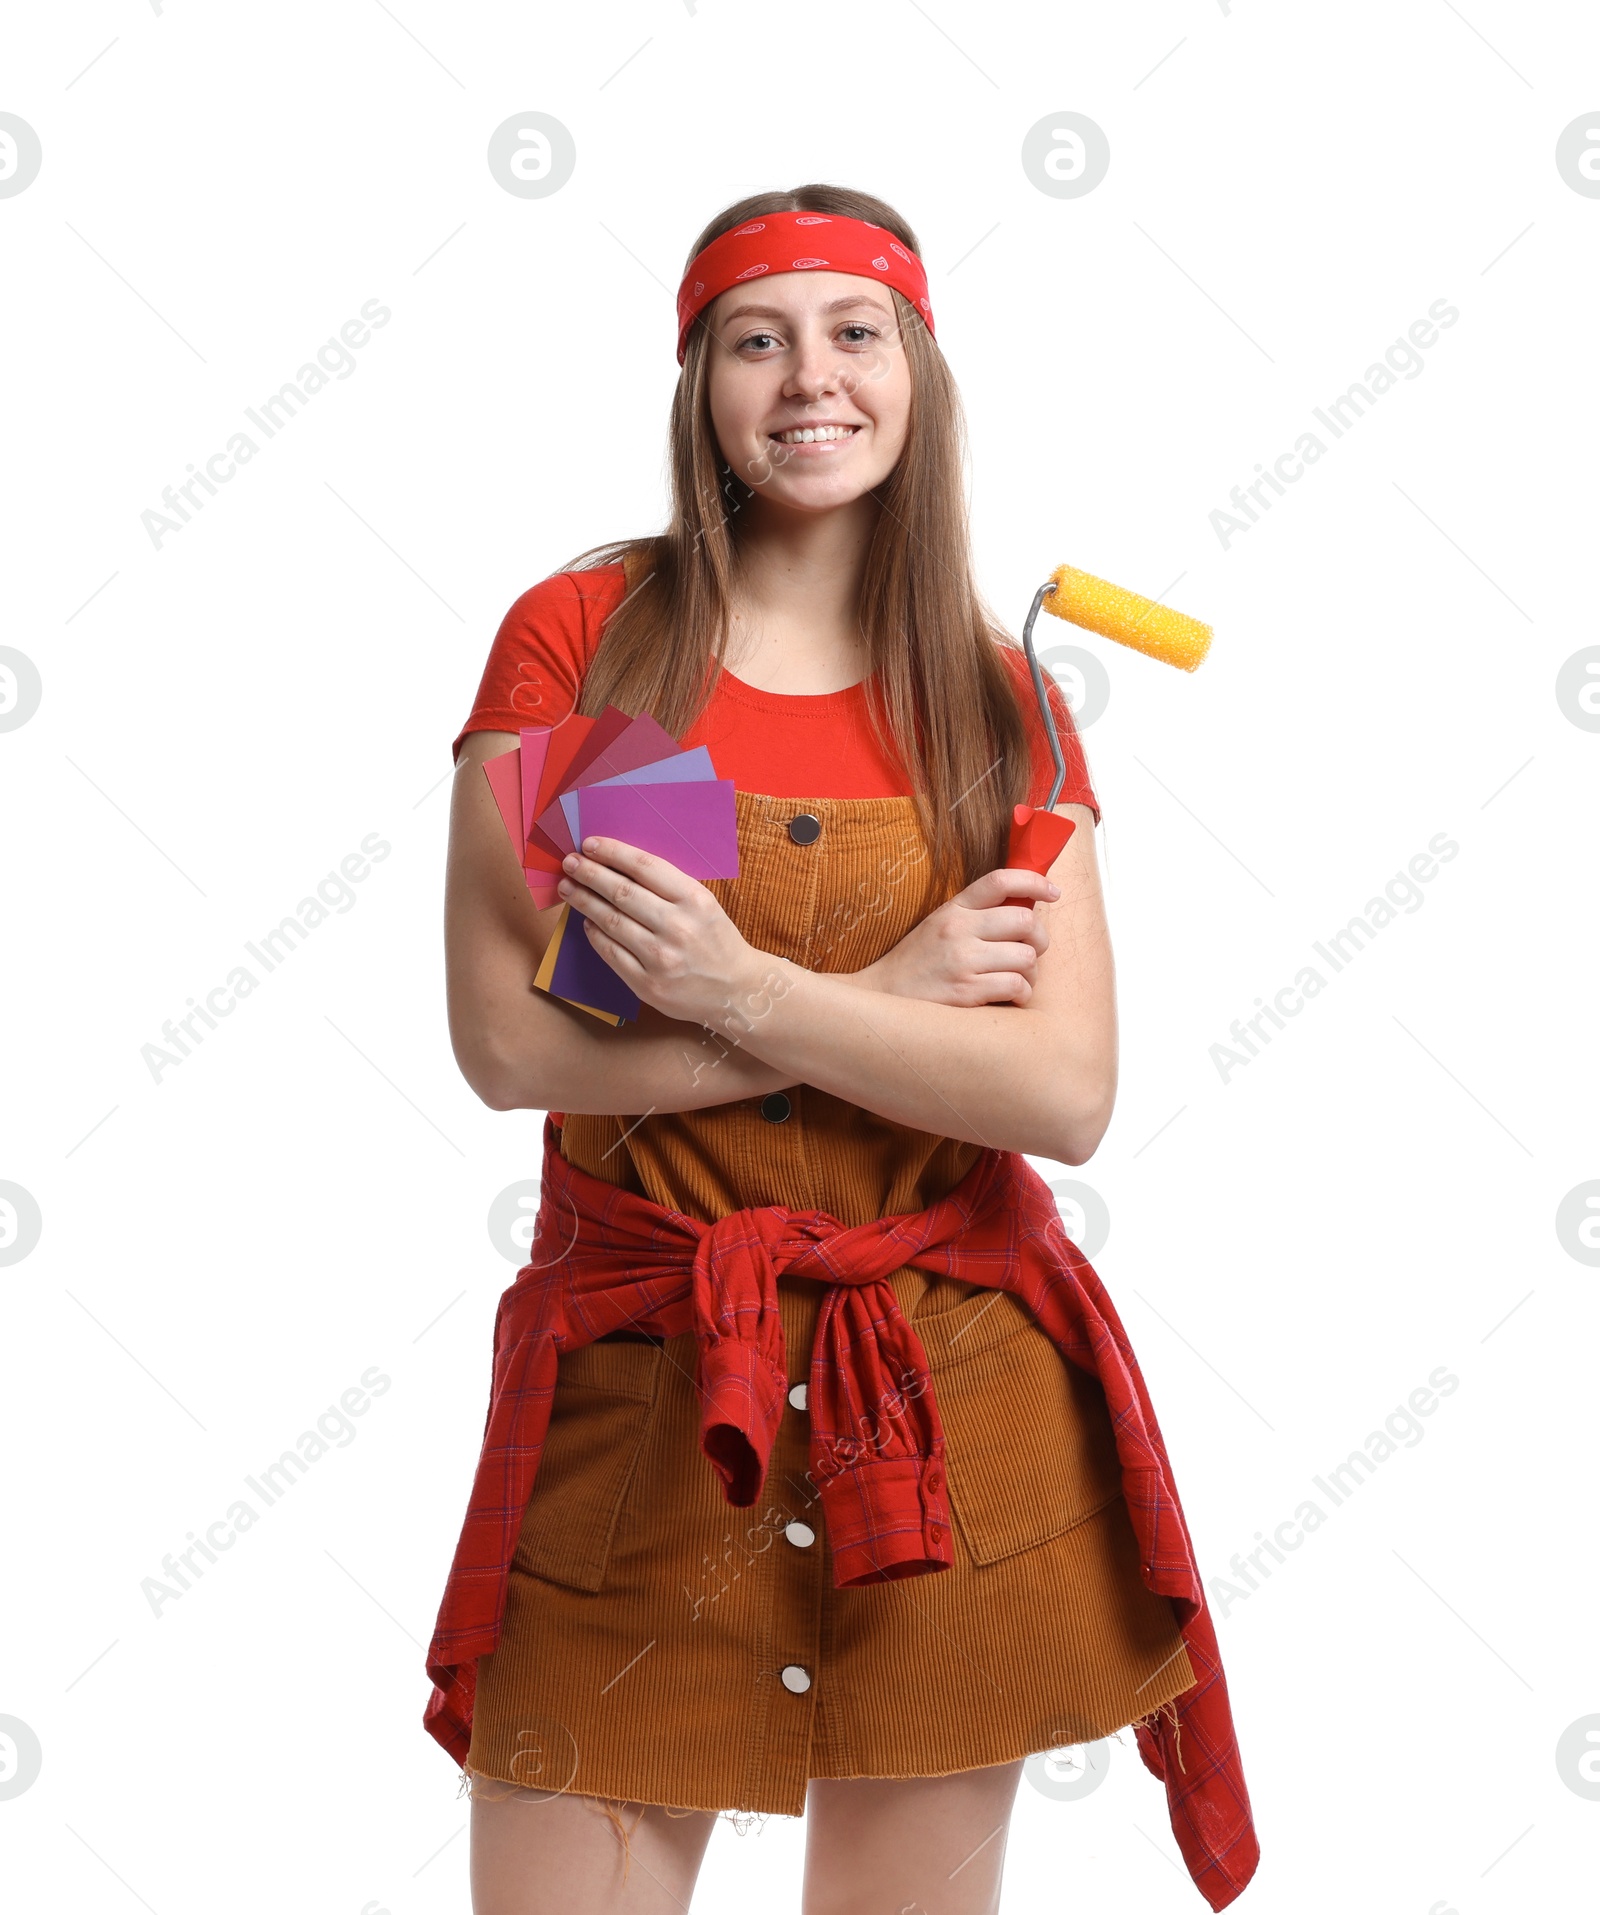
(661, 1646)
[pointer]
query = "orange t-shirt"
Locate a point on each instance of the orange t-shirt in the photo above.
(784, 744)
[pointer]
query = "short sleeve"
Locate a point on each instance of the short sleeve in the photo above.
(541, 652)
(1076, 789)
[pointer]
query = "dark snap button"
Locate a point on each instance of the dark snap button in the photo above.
(804, 828)
(775, 1107)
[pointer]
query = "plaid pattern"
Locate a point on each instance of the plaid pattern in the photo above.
(604, 1259)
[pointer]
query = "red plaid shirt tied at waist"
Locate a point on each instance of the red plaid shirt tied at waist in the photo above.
(604, 1259)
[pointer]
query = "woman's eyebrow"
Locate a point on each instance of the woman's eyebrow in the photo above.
(833, 306)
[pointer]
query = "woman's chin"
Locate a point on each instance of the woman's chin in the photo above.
(823, 493)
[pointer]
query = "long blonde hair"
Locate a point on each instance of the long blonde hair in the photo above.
(940, 699)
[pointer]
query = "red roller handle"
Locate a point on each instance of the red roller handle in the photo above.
(1037, 840)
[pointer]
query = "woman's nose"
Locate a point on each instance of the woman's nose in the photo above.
(815, 368)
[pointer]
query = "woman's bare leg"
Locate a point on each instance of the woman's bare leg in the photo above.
(933, 1843)
(534, 1853)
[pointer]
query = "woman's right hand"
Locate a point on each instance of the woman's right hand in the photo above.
(975, 949)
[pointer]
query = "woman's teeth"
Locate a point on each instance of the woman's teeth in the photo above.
(807, 435)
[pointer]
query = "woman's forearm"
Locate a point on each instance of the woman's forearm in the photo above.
(994, 1075)
(564, 1059)
(997, 1075)
(560, 1058)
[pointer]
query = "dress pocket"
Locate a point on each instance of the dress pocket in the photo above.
(1029, 1446)
(600, 1416)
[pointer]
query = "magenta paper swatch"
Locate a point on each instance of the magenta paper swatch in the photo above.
(688, 767)
(642, 742)
(694, 826)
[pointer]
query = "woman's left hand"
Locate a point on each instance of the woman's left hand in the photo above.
(661, 931)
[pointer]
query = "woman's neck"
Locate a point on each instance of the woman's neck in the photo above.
(795, 627)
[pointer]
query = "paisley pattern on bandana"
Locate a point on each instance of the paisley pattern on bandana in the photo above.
(771, 244)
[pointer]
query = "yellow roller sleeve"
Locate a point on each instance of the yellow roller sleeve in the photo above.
(1141, 623)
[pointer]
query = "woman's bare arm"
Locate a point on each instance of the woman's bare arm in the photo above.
(1039, 1077)
(521, 1048)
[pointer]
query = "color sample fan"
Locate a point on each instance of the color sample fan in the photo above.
(610, 777)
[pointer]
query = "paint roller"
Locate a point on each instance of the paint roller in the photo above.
(1037, 834)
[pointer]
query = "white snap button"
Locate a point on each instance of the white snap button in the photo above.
(797, 1396)
(795, 1678)
(801, 1535)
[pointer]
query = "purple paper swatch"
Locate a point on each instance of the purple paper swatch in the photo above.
(581, 974)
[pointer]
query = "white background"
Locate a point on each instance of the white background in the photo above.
(1294, 1248)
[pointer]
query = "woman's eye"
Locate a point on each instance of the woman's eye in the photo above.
(759, 340)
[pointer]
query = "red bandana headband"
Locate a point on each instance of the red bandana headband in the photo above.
(792, 243)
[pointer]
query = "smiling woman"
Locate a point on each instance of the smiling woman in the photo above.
(768, 437)
(774, 1208)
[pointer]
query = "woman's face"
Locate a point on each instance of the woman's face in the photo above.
(801, 352)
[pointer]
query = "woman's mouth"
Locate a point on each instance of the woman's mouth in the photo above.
(814, 439)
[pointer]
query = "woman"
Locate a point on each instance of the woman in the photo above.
(872, 1015)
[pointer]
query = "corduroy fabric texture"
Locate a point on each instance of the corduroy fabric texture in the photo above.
(835, 904)
(660, 1646)
(652, 1635)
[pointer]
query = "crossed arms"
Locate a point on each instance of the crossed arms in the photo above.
(924, 1037)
